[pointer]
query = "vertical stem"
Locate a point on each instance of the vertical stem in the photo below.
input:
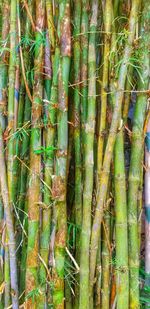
(136, 158)
(48, 172)
(147, 206)
(35, 159)
(9, 225)
(24, 116)
(7, 300)
(122, 274)
(11, 99)
(105, 79)
(84, 67)
(3, 62)
(105, 286)
(77, 131)
(89, 163)
(60, 179)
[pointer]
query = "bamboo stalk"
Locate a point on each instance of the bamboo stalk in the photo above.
(122, 273)
(24, 118)
(89, 163)
(35, 160)
(7, 300)
(3, 62)
(4, 29)
(147, 205)
(84, 68)
(24, 114)
(105, 78)
(136, 157)
(98, 283)
(106, 254)
(60, 179)
(49, 164)
(11, 100)
(77, 133)
(9, 225)
(48, 171)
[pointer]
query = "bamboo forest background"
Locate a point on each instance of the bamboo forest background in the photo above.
(74, 154)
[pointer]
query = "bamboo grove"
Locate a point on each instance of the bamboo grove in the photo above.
(74, 154)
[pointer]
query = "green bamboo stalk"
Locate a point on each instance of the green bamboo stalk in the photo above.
(3, 62)
(60, 179)
(140, 202)
(89, 163)
(35, 160)
(136, 157)
(122, 273)
(24, 112)
(15, 137)
(69, 279)
(98, 278)
(9, 225)
(22, 188)
(4, 30)
(102, 127)
(147, 206)
(77, 133)
(84, 68)
(11, 100)
(48, 172)
(105, 285)
(111, 139)
(13, 266)
(7, 300)
(2, 252)
(52, 97)
(105, 79)
(24, 118)
(22, 268)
